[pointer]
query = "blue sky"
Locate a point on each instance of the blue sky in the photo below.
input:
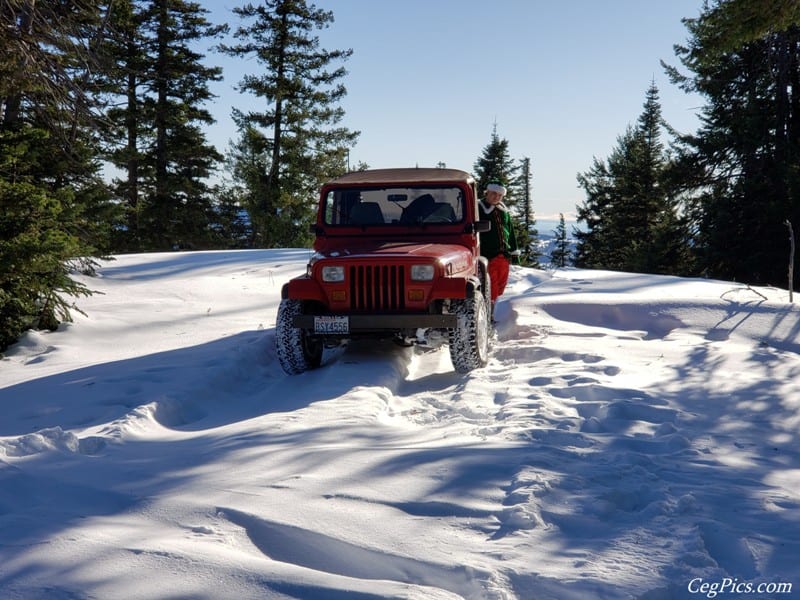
(428, 79)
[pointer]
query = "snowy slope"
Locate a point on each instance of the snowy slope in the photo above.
(632, 437)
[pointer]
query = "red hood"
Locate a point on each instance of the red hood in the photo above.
(397, 250)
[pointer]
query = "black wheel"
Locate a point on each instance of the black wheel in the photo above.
(469, 341)
(297, 351)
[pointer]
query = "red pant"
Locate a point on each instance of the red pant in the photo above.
(498, 271)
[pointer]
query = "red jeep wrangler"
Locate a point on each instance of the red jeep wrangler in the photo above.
(396, 256)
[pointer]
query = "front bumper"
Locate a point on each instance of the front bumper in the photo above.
(389, 323)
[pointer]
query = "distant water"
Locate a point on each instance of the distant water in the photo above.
(547, 228)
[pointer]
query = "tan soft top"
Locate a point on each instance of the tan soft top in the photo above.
(403, 176)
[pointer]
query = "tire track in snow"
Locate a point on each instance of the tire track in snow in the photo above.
(584, 431)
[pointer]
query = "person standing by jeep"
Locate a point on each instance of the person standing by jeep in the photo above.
(499, 244)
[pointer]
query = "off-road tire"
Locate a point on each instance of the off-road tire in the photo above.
(469, 340)
(297, 351)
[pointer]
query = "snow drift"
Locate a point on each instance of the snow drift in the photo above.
(631, 437)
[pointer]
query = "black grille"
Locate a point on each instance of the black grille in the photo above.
(379, 288)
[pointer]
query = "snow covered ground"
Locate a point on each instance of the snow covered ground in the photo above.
(632, 437)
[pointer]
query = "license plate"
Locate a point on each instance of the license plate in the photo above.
(331, 324)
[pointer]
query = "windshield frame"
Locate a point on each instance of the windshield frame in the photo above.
(394, 206)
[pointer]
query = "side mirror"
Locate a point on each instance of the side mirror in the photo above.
(316, 229)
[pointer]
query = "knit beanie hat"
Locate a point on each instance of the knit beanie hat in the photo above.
(496, 187)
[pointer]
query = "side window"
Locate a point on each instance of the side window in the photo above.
(330, 208)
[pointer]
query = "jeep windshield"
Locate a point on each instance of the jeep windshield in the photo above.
(394, 206)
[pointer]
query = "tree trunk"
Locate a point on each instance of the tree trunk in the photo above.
(132, 132)
(791, 260)
(274, 167)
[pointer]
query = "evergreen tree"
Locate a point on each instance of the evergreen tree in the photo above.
(231, 225)
(745, 59)
(247, 160)
(727, 26)
(527, 234)
(120, 84)
(496, 165)
(631, 211)
(562, 254)
(599, 245)
(295, 140)
(156, 137)
(51, 195)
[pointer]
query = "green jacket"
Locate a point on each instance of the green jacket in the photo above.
(501, 239)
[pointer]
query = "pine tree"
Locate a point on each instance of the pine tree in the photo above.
(120, 84)
(496, 165)
(164, 156)
(51, 195)
(726, 26)
(598, 246)
(631, 212)
(180, 207)
(562, 254)
(296, 138)
(231, 225)
(247, 160)
(744, 57)
(527, 234)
